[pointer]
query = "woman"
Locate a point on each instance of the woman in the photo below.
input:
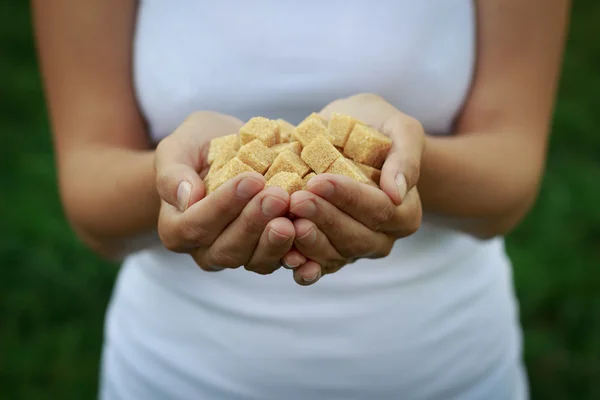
(425, 310)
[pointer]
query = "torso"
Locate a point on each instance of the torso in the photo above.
(434, 320)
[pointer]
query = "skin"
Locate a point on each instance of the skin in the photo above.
(115, 187)
(464, 179)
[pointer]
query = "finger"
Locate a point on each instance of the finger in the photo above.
(348, 236)
(203, 222)
(370, 206)
(307, 274)
(178, 185)
(276, 240)
(236, 244)
(366, 204)
(314, 245)
(407, 217)
(293, 259)
(182, 155)
(400, 172)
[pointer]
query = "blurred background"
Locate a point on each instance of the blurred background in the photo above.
(53, 292)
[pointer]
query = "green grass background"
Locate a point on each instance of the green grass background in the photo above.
(53, 291)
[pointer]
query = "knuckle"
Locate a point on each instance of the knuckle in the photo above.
(195, 234)
(353, 246)
(382, 215)
(168, 241)
(329, 222)
(412, 222)
(362, 247)
(416, 220)
(350, 198)
(220, 258)
(165, 234)
(386, 249)
(252, 226)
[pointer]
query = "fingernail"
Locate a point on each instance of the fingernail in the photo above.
(322, 188)
(248, 188)
(293, 260)
(402, 186)
(184, 192)
(277, 238)
(306, 209)
(311, 278)
(272, 207)
(288, 265)
(309, 237)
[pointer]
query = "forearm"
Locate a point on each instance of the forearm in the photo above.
(110, 197)
(482, 183)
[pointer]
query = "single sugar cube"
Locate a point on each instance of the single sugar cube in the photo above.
(372, 173)
(261, 128)
(310, 129)
(288, 161)
(222, 158)
(294, 147)
(212, 174)
(367, 145)
(343, 166)
(221, 145)
(233, 168)
(340, 126)
(317, 117)
(289, 181)
(319, 154)
(257, 156)
(306, 179)
(285, 129)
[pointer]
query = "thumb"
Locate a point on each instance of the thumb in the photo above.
(177, 180)
(401, 170)
(179, 185)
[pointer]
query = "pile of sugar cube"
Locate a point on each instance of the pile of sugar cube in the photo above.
(288, 156)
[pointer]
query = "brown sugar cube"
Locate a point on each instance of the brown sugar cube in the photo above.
(257, 156)
(308, 130)
(306, 179)
(288, 161)
(233, 168)
(264, 129)
(320, 154)
(289, 181)
(294, 147)
(367, 145)
(340, 126)
(317, 117)
(210, 177)
(372, 173)
(343, 166)
(222, 158)
(221, 145)
(285, 129)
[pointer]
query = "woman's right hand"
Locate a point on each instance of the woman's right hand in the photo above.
(239, 224)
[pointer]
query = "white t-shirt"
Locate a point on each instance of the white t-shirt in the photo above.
(437, 319)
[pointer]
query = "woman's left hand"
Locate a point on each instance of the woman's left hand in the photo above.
(339, 220)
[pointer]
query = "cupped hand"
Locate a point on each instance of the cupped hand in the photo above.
(340, 220)
(239, 224)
